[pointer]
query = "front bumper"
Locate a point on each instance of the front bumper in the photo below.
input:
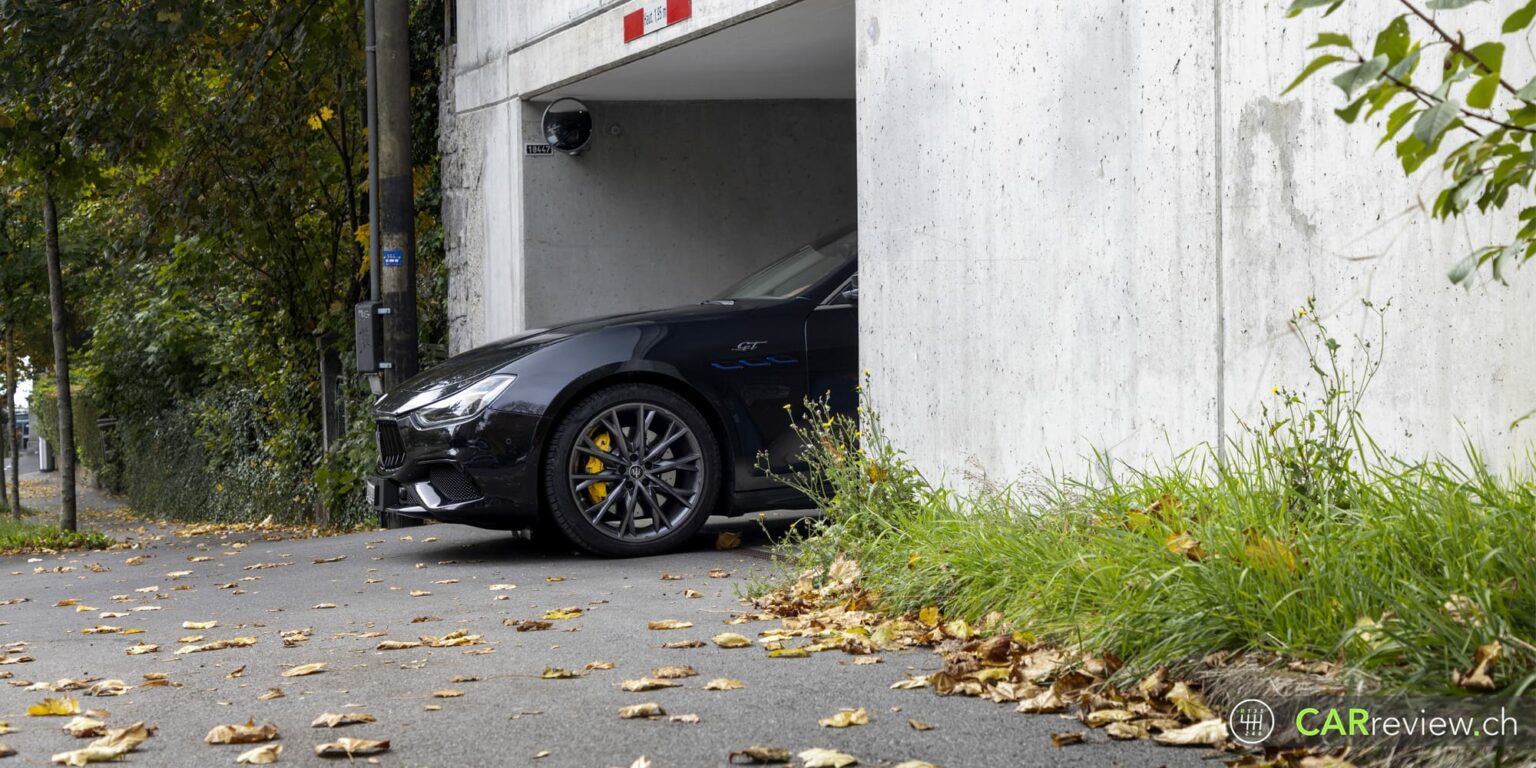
(482, 472)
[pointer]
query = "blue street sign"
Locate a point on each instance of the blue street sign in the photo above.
(394, 258)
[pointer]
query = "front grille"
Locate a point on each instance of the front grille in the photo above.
(453, 485)
(391, 447)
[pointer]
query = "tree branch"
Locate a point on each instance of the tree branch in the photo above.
(1456, 44)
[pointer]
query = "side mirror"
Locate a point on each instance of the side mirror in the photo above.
(850, 296)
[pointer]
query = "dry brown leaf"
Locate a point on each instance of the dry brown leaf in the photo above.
(250, 733)
(731, 640)
(724, 684)
(345, 747)
(558, 673)
(6, 750)
(647, 684)
(918, 725)
(124, 739)
(1189, 702)
(454, 639)
(1067, 738)
(727, 540)
(560, 614)
(527, 625)
(669, 624)
(674, 672)
(683, 644)
(688, 718)
(692, 593)
(107, 688)
(305, 669)
(816, 757)
(721, 573)
(592, 665)
(502, 587)
(1125, 731)
(649, 709)
(1207, 733)
(87, 755)
(324, 560)
(337, 719)
(762, 755)
(217, 645)
(265, 754)
(142, 648)
(1480, 678)
(272, 693)
(85, 727)
(397, 645)
(1180, 543)
(447, 693)
(845, 718)
(199, 624)
(322, 606)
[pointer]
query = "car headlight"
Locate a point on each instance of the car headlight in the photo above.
(463, 404)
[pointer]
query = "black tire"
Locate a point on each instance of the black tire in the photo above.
(664, 481)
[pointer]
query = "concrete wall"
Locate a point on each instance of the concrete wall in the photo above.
(1111, 215)
(686, 199)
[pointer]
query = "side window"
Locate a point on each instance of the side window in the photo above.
(840, 297)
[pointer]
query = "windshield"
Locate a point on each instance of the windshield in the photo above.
(796, 273)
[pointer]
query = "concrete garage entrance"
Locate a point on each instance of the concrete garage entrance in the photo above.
(710, 158)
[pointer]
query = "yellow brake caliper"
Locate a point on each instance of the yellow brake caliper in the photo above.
(598, 491)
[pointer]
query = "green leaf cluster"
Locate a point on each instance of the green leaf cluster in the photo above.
(1461, 110)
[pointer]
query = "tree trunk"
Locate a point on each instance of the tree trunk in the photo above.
(10, 422)
(60, 363)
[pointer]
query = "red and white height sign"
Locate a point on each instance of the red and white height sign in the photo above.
(654, 15)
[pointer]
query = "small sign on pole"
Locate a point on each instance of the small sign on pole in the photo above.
(394, 258)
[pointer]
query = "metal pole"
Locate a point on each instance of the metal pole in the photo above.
(397, 231)
(371, 56)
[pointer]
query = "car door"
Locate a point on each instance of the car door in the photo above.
(832, 349)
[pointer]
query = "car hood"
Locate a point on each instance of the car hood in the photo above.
(466, 368)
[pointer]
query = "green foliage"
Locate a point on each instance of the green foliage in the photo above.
(1493, 120)
(91, 443)
(215, 235)
(17, 537)
(1305, 541)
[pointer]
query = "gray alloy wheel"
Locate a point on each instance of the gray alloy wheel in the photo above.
(633, 470)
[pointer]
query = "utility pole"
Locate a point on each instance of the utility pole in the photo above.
(396, 229)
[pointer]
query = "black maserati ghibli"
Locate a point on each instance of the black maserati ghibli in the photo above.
(626, 433)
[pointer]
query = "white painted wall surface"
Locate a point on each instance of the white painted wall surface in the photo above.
(1111, 227)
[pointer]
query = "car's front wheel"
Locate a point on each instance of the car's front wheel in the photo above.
(633, 469)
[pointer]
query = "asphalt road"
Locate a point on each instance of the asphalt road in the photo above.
(510, 715)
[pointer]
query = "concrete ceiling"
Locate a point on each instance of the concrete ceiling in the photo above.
(804, 51)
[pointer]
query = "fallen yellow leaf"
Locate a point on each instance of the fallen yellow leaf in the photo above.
(845, 718)
(305, 669)
(54, 708)
(647, 710)
(345, 747)
(250, 733)
(265, 754)
(336, 719)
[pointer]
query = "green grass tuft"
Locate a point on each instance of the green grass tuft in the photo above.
(1303, 540)
(18, 536)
